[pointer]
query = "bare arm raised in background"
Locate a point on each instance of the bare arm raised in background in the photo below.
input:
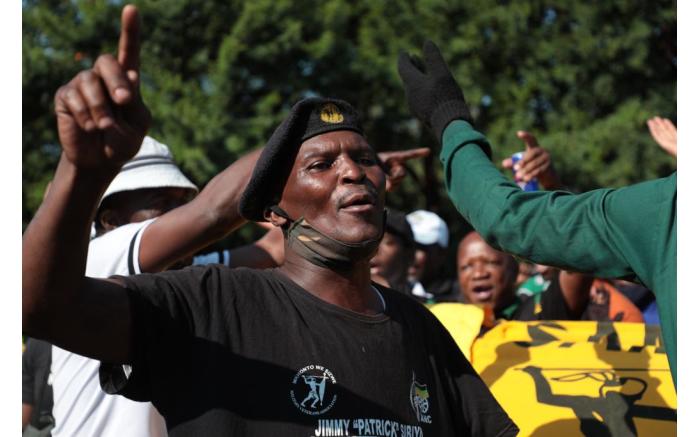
(664, 133)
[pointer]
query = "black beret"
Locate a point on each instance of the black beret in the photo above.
(308, 118)
(397, 224)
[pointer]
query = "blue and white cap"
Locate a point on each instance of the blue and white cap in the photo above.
(152, 167)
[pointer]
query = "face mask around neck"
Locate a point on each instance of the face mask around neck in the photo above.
(322, 250)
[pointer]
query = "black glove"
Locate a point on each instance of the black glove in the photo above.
(432, 93)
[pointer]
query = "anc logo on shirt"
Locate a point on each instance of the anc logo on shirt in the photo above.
(331, 114)
(313, 390)
(419, 400)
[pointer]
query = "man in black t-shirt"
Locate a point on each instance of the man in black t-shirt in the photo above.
(313, 348)
(488, 276)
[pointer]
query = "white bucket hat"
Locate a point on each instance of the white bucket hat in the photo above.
(152, 167)
(428, 228)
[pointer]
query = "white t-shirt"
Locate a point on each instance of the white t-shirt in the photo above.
(80, 406)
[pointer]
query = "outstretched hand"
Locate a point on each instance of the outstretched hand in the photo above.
(101, 117)
(432, 92)
(664, 133)
(536, 163)
(394, 164)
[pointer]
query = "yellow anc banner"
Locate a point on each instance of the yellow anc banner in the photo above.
(571, 378)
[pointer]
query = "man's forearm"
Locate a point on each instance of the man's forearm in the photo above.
(211, 216)
(221, 196)
(54, 245)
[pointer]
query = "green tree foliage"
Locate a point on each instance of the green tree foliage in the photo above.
(219, 76)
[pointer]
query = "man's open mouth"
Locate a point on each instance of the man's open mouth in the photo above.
(358, 202)
(483, 293)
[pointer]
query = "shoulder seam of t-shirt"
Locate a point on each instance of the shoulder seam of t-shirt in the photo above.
(133, 257)
(130, 257)
(380, 298)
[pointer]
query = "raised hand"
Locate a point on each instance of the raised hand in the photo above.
(664, 133)
(536, 163)
(100, 114)
(394, 164)
(432, 92)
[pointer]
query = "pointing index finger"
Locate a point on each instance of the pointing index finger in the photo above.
(420, 152)
(404, 155)
(528, 138)
(129, 39)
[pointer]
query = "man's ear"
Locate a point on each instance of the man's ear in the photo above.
(109, 219)
(274, 218)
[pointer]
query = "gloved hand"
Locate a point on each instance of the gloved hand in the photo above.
(432, 93)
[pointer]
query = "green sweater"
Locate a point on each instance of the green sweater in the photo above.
(628, 232)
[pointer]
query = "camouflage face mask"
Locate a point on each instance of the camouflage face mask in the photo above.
(324, 251)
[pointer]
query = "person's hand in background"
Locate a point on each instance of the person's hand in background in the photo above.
(394, 164)
(536, 163)
(664, 133)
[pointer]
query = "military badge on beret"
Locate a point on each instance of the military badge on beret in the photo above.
(331, 114)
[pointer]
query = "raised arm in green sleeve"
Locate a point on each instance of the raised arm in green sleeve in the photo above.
(600, 232)
(628, 232)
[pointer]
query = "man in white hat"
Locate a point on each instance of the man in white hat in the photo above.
(148, 185)
(132, 237)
